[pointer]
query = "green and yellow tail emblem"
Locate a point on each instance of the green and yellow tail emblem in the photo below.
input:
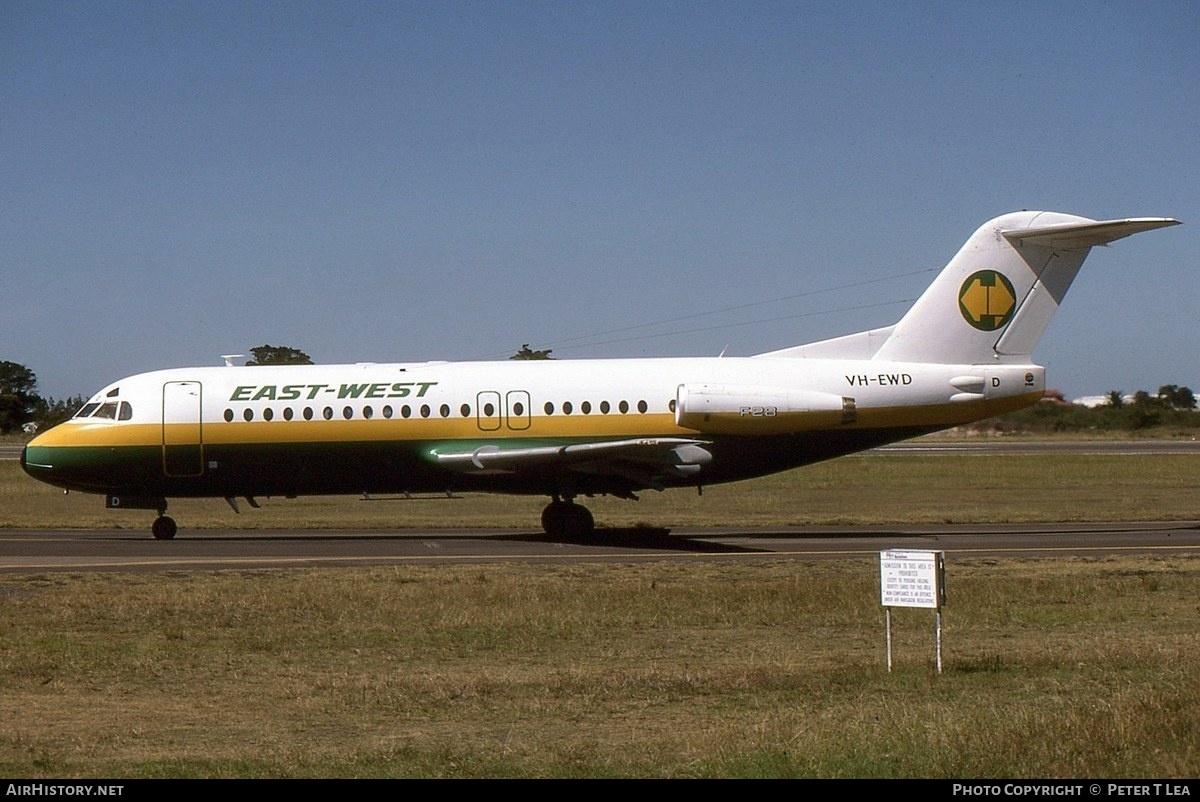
(987, 300)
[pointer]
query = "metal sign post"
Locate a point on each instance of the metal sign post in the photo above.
(913, 579)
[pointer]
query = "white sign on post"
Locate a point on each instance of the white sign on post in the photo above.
(912, 579)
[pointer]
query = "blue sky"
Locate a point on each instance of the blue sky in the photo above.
(449, 180)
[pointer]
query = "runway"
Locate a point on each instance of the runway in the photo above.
(32, 551)
(25, 551)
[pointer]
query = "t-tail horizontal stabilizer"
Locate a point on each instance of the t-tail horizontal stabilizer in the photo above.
(1073, 235)
(994, 300)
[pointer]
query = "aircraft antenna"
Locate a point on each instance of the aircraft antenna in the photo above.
(575, 342)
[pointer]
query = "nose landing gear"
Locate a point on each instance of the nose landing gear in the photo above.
(164, 528)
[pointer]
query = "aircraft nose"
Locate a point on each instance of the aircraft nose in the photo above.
(31, 466)
(45, 464)
(64, 457)
(37, 460)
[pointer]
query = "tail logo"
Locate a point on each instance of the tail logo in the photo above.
(987, 300)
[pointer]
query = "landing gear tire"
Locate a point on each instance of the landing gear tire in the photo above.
(164, 528)
(567, 519)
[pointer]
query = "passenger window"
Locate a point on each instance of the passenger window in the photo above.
(604, 407)
(567, 407)
(229, 416)
(549, 407)
(642, 407)
(268, 414)
(586, 407)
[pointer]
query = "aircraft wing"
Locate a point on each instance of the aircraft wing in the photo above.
(638, 458)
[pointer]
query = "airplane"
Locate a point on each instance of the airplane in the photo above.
(571, 428)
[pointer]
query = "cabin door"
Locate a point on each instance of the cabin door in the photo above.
(514, 413)
(487, 410)
(516, 407)
(183, 444)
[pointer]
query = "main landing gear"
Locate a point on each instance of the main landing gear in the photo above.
(566, 519)
(164, 527)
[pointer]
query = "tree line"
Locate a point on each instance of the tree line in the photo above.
(1170, 396)
(1172, 407)
(22, 405)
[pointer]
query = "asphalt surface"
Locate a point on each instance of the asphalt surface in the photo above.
(29, 551)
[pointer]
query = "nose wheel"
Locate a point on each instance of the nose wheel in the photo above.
(566, 519)
(164, 528)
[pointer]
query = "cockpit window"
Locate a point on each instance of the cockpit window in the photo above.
(110, 410)
(107, 410)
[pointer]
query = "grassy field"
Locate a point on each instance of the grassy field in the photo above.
(1069, 668)
(1052, 668)
(859, 489)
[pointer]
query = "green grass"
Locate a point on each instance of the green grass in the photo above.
(861, 489)
(1064, 668)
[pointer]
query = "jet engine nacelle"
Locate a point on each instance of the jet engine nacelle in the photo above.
(755, 409)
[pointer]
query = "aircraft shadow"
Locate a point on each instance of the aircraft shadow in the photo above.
(660, 538)
(651, 538)
(640, 537)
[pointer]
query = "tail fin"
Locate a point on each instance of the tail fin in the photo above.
(994, 299)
